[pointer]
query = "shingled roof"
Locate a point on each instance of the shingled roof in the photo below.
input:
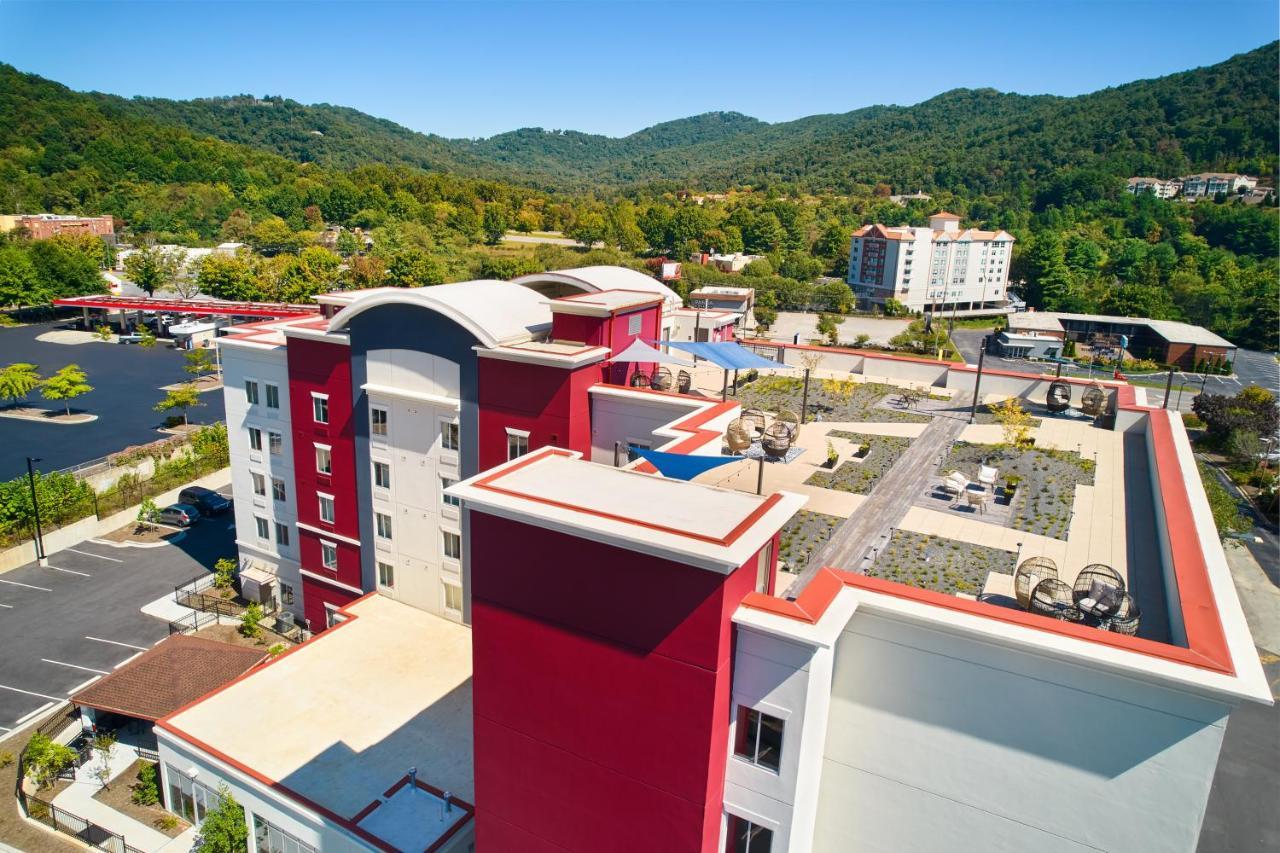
(168, 676)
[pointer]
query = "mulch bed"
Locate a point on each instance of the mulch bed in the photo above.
(859, 476)
(942, 565)
(803, 535)
(829, 399)
(142, 535)
(231, 634)
(120, 798)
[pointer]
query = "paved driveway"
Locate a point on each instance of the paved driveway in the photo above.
(79, 617)
(126, 381)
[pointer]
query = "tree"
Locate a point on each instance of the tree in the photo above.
(18, 380)
(19, 283)
(249, 620)
(145, 790)
(347, 244)
(147, 513)
(146, 338)
(828, 329)
(493, 223)
(65, 385)
(414, 268)
(224, 829)
(47, 758)
(1253, 410)
(152, 268)
(894, 308)
(228, 277)
(68, 265)
(764, 234)
(588, 229)
(199, 361)
(104, 333)
(104, 745)
(236, 227)
(183, 397)
(224, 573)
(1014, 420)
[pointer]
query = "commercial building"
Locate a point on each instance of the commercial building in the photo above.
(1211, 184)
(741, 301)
(1163, 341)
(939, 268)
(1156, 186)
(42, 226)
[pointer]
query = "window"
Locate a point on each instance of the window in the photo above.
(251, 392)
(747, 837)
(255, 438)
(329, 555)
(453, 597)
(324, 459)
(273, 396)
(452, 545)
(286, 591)
(382, 475)
(275, 441)
(277, 488)
(269, 838)
(282, 535)
(187, 797)
(320, 408)
(326, 508)
(264, 529)
(759, 738)
(633, 324)
(517, 444)
(378, 421)
(386, 575)
(449, 500)
(384, 524)
(259, 483)
(449, 436)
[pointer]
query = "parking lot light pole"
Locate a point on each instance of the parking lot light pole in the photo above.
(35, 505)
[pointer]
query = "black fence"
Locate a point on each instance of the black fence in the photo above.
(77, 827)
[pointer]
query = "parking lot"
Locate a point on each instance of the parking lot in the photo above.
(126, 382)
(64, 624)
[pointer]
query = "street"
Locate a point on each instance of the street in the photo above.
(64, 624)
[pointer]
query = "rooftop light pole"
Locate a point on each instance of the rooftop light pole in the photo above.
(35, 506)
(977, 380)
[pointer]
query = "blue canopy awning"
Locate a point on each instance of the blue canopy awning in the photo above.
(727, 354)
(681, 466)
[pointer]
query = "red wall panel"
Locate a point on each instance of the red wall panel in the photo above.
(314, 597)
(551, 403)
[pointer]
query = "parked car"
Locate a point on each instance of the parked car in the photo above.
(179, 515)
(207, 501)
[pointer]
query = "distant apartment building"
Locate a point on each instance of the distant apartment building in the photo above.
(1158, 187)
(42, 226)
(732, 262)
(936, 268)
(1211, 184)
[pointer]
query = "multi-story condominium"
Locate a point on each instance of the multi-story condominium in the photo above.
(938, 268)
(625, 666)
(1212, 183)
(1156, 186)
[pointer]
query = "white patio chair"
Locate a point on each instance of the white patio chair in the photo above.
(987, 475)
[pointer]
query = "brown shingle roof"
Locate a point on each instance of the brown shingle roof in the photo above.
(173, 673)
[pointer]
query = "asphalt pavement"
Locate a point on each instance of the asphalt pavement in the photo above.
(76, 619)
(126, 380)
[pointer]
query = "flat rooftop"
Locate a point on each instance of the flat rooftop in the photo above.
(1171, 330)
(339, 720)
(604, 302)
(717, 529)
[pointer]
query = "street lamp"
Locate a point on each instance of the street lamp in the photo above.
(35, 505)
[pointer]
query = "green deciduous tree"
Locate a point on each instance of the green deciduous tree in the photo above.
(152, 269)
(66, 385)
(493, 223)
(47, 758)
(414, 268)
(228, 277)
(199, 361)
(224, 829)
(18, 380)
(184, 397)
(19, 282)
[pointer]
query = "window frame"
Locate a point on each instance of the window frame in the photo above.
(275, 442)
(382, 524)
(326, 548)
(520, 437)
(446, 536)
(380, 469)
(255, 438)
(445, 588)
(271, 391)
(259, 481)
(251, 395)
(748, 737)
(262, 527)
(449, 501)
(282, 534)
(321, 500)
(327, 470)
(278, 492)
(450, 436)
(747, 826)
(319, 406)
(374, 431)
(386, 578)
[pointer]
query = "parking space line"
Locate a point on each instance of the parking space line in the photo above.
(114, 643)
(125, 661)
(99, 556)
(75, 666)
(37, 712)
(82, 685)
(27, 585)
(7, 606)
(31, 693)
(70, 572)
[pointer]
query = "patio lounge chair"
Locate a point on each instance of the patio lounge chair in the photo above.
(977, 500)
(955, 483)
(987, 476)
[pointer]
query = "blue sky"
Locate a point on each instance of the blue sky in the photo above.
(479, 68)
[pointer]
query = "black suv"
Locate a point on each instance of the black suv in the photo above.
(207, 501)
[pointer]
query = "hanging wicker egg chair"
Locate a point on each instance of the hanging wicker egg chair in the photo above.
(1053, 598)
(776, 440)
(789, 419)
(1059, 397)
(639, 380)
(1030, 572)
(661, 379)
(1093, 401)
(737, 436)
(754, 420)
(1125, 619)
(684, 382)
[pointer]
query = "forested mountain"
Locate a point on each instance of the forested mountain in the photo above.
(977, 141)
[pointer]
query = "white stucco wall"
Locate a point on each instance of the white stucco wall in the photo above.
(938, 742)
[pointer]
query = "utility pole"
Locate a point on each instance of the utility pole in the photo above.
(977, 380)
(804, 403)
(1168, 389)
(35, 506)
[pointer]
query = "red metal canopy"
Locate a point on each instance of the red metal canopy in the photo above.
(189, 306)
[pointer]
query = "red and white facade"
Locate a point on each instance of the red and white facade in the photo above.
(634, 679)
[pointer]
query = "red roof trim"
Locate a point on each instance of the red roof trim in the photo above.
(189, 306)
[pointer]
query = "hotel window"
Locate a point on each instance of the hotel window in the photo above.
(758, 738)
(251, 392)
(286, 591)
(326, 508)
(329, 555)
(277, 488)
(382, 475)
(269, 838)
(747, 837)
(273, 396)
(188, 798)
(453, 597)
(384, 524)
(378, 421)
(282, 534)
(449, 436)
(452, 543)
(517, 444)
(449, 500)
(259, 483)
(264, 529)
(386, 575)
(324, 460)
(320, 408)
(255, 438)
(275, 442)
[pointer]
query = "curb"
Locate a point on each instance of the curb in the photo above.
(182, 534)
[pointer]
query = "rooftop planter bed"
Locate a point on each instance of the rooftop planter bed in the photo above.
(829, 399)
(1046, 487)
(874, 459)
(942, 565)
(802, 536)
